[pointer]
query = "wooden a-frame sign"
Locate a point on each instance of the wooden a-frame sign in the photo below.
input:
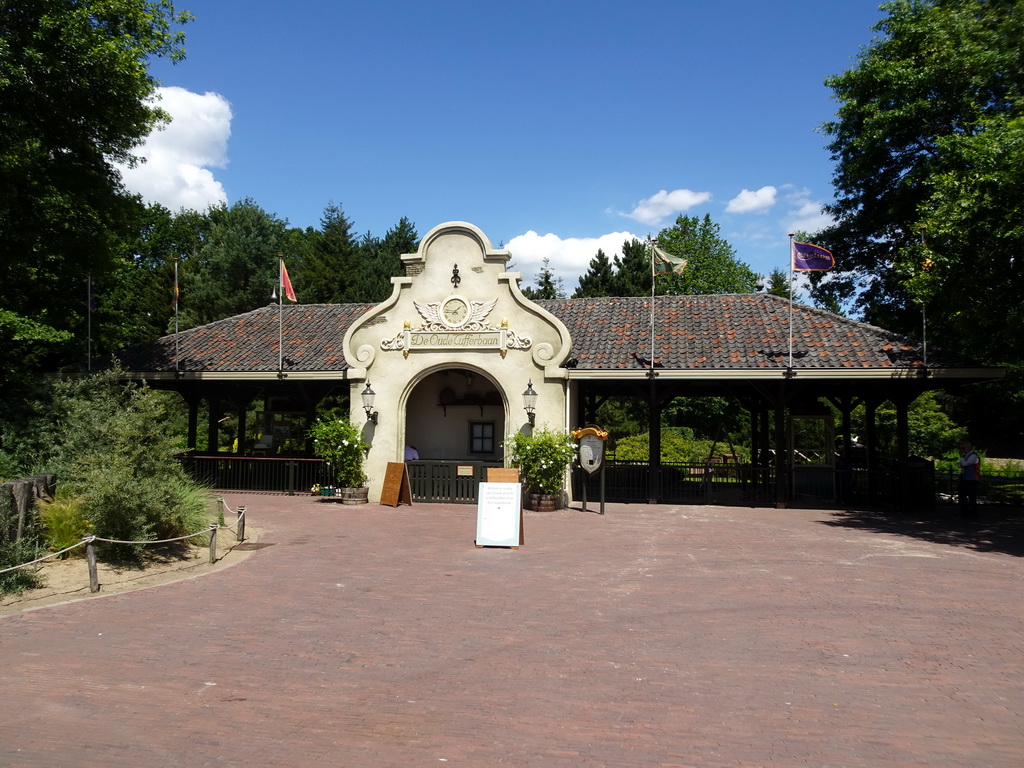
(502, 475)
(397, 489)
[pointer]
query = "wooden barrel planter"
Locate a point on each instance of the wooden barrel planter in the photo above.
(544, 502)
(354, 495)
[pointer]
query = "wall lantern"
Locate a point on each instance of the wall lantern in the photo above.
(368, 396)
(530, 403)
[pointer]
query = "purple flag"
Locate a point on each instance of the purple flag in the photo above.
(809, 258)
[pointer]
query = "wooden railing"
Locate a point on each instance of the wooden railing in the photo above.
(629, 482)
(255, 473)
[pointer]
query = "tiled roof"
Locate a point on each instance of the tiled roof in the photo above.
(731, 331)
(312, 336)
(718, 332)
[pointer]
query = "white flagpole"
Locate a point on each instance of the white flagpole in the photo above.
(651, 244)
(177, 357)
(280, 315)
(791, 235)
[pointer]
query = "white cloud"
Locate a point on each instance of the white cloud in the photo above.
(805, 214)
(749, 201)
(655, 208)
(178, 158)
(569, 257)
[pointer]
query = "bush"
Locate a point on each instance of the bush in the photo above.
(14, 553)
(675, 448)
(1007, 494)
(542, 458)
(17, 553)
(340, 443)
(64, 523)
(111, 446)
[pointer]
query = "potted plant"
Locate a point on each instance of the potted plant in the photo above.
(340, 443)
(542, 458)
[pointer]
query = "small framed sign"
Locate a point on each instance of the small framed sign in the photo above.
(499, 515)
(465, 470)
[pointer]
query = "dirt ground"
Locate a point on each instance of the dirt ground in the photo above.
(65, 581)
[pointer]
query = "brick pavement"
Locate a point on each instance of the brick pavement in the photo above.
(652, 636)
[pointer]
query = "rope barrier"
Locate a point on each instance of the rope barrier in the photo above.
(89, 539)
(157, 541)
(82, 543)
(241, 514)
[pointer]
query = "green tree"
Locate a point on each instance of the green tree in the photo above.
(135, 302)
(383, 260)
(778, 283)
(712, 264)
(74, 99)
(235, 271)
(330, 268)
(598, 280)
(633, 270)
(931, 432)
(546, 286)
(928, 134)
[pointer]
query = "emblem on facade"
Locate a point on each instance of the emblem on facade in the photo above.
(456, 323)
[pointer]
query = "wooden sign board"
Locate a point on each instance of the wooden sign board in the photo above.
(502, 475)
(499, 515)
(397, 489)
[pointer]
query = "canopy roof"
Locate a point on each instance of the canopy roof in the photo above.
(713, 336)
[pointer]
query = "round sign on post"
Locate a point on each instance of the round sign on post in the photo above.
(591, 453)
(592, 440)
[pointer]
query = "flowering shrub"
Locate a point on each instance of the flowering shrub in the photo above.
(542, 458)
(340, 443)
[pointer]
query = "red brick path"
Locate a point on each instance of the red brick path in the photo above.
(652, 636)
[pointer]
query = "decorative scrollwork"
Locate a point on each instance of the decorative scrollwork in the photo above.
(393, 345)
(543, 353)
(514, 341)
(365, 354)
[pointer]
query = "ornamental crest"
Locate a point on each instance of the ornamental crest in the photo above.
(456, 323)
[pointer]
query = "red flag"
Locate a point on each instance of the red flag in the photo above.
(286, 284)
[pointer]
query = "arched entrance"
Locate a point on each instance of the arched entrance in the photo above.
(455, 424)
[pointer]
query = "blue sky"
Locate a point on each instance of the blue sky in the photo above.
(555, 127)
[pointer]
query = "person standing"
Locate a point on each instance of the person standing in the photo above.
(970, 478)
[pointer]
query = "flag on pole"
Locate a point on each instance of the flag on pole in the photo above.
(175, 291)
(286, 284)
(811, 258)
(665, 263)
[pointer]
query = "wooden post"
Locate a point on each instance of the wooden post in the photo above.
(213, 543)
(213, 426)
(90, 558)
(240, 532)
(193, 422)
(21, 492)
(782, 463)
(653, 441)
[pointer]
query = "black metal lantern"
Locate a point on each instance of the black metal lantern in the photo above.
(530, 403)
(368, 396)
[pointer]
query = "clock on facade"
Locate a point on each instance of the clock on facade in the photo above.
(455, 312)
